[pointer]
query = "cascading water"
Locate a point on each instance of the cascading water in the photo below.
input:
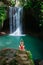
(10, 18)
(16, 21)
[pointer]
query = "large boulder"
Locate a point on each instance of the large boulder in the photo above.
(15, 57)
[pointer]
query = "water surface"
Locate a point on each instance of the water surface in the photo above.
(31, 43)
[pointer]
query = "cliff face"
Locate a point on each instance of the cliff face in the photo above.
(15, 57)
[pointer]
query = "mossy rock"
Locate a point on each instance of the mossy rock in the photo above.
(15, 57)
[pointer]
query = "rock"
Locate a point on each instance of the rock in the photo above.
(15, 57)
(1, 3)
(22, 57)
(41, 62)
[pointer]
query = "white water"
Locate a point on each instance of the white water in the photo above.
(17, 33)
(17, 26)
(10, 18)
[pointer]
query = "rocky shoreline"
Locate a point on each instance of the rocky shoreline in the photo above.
(15, 57)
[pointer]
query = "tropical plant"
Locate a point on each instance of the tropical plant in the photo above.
(41, 14)
(12, 2)
(3, 15)
(22, 2)
(26, 3)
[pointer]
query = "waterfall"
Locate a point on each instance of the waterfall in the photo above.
(14, 18)
(16, 21)
(10, 18)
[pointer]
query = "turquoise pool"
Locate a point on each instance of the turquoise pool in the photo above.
(31, 43)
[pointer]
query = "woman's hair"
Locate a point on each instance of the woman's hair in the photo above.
(21, 42)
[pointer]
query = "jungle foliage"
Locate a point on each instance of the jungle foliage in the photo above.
(36, 7)
(3, 14)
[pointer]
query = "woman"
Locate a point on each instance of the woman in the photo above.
(22, 47)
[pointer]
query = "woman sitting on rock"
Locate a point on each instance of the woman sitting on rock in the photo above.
(21, 47)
